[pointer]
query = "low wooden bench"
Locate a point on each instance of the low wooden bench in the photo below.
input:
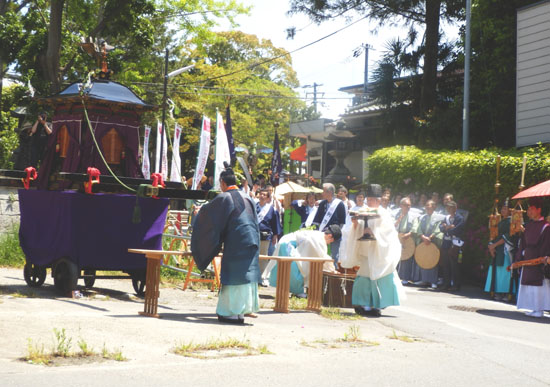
(315, 287)
(152, 279)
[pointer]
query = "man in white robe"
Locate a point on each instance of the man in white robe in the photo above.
(377, 284)
(304, 243)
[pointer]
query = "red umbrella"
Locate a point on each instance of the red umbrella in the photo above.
(541, 189)
(299, 154)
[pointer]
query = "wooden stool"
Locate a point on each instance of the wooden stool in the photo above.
(315, 288)
(152, 279)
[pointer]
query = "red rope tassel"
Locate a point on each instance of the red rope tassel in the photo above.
(31, 175)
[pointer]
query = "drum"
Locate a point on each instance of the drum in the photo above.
(426, 256)
(337, 289)
(407, 247)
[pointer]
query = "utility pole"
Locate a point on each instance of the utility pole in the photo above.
(466, 108)
(315, 85)
(366, 76)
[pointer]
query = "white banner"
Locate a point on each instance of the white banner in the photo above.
(175, 169)
(164, 166)
(222, 150)
(157, 153)
(145, 163)
(204, 148)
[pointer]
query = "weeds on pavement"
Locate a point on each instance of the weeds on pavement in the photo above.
(219, 348)
(405, 339)
(61, 351)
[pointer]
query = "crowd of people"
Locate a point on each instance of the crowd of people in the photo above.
(387, 241)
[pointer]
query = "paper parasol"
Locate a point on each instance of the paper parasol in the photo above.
(541, 189)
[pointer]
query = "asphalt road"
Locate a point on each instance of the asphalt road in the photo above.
(433, 339)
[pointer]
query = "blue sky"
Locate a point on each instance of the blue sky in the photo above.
(329, 62)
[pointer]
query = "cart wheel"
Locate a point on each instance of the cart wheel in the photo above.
(65, 276)
(138, 282)
(89, 281)
(34, 275)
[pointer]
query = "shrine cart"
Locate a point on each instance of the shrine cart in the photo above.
(75, 235)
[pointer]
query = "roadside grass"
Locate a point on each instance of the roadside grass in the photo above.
(61, 352)
(338, 314)
(295, 303)
(406, 339)
(352, 339)
(19, 294)
(220, 348)
(11, 254)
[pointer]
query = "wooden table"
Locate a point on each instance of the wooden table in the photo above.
(152, 278)
(315, 288)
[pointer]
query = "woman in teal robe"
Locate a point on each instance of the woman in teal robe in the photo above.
(500, 249)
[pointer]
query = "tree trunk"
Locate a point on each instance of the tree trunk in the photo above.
(429, 79)
(1, 80)
(54, 45)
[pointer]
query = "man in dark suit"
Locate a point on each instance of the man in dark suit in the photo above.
(452, 228)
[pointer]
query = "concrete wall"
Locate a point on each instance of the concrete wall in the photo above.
(9, 208)
(533, 75)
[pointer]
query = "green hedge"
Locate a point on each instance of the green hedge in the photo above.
(469, 176)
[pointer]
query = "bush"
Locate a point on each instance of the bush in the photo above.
(8, 140)
(469, 176)
(10, 251)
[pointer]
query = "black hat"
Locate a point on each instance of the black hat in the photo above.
(374, 190)
(536, 202)
(335, 231)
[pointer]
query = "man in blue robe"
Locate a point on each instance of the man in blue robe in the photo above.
(331, 211)
(230, 220)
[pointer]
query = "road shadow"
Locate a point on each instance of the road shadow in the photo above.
(48, 291)
(513, 315)
(195, 318)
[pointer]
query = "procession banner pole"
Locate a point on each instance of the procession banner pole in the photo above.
(494, 220)
(515, 227)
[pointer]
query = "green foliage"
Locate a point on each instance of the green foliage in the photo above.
(8, 140)
(10, 250)
(469, 176)
(236, 69)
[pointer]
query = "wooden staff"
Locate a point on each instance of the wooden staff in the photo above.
(529, 262)
(521, 185)
(494, 219)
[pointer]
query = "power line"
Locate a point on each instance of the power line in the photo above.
(258, 96)
(250, 67)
